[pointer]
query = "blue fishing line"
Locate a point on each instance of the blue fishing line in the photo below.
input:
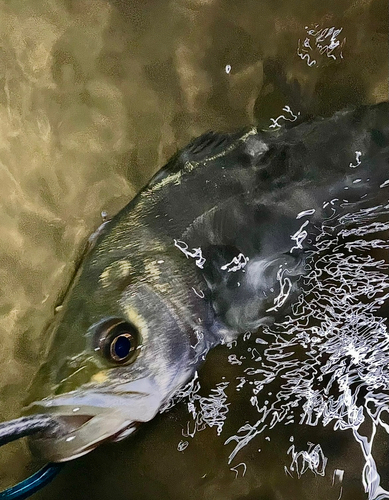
(32, 484)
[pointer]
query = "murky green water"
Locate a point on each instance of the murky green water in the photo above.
(94, 98)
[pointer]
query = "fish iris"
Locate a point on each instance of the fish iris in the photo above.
(116, 340)
(121, 347)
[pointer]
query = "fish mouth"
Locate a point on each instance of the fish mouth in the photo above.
(87, 419)
(77, 435)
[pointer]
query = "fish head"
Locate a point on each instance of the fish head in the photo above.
(127, 338)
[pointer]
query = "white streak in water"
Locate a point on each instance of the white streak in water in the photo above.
(196, 253)
(302, 52)
(285, 288)
(313, 459)
(287, 109)
(245, 434)
(337, 476)
(199, 294)
(182, 445)
(236, 264)
(358, 155)
(320, 41)
(233, 360)
(299, 236)
(305, 213)
(235, 469)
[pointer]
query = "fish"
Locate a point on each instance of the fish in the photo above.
(215, 245)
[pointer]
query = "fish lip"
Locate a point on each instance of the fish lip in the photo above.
(82, 426)
(80, 433)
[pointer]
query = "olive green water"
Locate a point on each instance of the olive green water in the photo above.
(94, 98)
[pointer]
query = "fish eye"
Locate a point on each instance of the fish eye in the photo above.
(117, 341)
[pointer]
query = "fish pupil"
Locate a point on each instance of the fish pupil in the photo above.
(116, 340)
(121, 346)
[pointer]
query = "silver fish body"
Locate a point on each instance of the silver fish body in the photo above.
(193, 261)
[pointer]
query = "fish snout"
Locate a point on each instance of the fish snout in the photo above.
(89, 418)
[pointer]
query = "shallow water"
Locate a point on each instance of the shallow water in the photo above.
(95, 97)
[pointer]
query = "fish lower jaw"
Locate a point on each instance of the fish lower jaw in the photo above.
(88, 418)
(79, 434)
(83, 427)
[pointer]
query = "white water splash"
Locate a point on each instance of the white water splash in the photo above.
(182, 445)
(213, 409)
(199, 294)
(320, 42)
(292, 118)
(285, 285)
(358, 155)
(195, 253)
(330, 358)
(299, 236)
(236, 264)
(236, 470)
(337, 479)
(242, 438)
(347, 330)
(305, 213)
(233, 360)
(206, 411)
(302, 52)
(312, 459)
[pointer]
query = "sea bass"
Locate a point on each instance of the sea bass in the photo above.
(216, 244)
